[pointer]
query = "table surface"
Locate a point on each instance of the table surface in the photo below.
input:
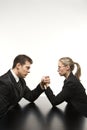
(40, 115)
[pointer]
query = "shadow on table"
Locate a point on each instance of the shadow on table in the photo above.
(31, 118)
(70, 119)
(73, 119)
(55, 119)
(27, 118)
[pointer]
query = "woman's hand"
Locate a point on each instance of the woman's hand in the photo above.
(45, 81)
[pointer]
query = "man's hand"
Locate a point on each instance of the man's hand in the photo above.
(45, 81)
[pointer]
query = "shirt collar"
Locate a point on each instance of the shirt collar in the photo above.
(15, 76)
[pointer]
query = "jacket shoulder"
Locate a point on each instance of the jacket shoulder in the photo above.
(5, 78)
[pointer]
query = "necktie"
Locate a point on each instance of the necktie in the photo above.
(19, 86)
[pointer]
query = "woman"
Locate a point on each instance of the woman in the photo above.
(73, 91)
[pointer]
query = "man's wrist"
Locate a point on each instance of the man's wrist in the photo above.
(42, 86)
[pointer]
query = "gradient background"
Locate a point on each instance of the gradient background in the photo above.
(45, 30)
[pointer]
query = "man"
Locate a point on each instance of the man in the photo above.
(13, 86)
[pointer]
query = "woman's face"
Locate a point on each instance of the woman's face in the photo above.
(62, 69)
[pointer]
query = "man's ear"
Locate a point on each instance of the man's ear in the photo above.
(18, 65)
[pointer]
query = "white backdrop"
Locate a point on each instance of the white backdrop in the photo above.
(45, 30)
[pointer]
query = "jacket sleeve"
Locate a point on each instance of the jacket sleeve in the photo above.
(64, 95)
(32, 95)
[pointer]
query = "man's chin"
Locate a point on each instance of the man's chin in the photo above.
(60, 74)
(24, 76)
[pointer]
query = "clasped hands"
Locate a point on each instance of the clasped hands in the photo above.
(45, 81)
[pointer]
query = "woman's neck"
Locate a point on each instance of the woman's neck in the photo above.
(67, 74)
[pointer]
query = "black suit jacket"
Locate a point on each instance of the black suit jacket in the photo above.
(10, 94)
(72, 92)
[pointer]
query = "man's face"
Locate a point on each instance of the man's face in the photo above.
(23, 70)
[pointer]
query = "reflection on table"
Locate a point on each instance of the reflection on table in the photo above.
(30, 117)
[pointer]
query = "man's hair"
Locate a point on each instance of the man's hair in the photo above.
(21, 59)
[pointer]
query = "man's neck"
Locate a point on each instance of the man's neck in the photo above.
(15, 75)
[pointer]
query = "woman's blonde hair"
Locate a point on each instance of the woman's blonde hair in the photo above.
(68, 61)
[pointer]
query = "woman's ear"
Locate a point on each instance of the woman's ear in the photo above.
(68, 67)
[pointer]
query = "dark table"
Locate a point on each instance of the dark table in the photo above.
(42, 116)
